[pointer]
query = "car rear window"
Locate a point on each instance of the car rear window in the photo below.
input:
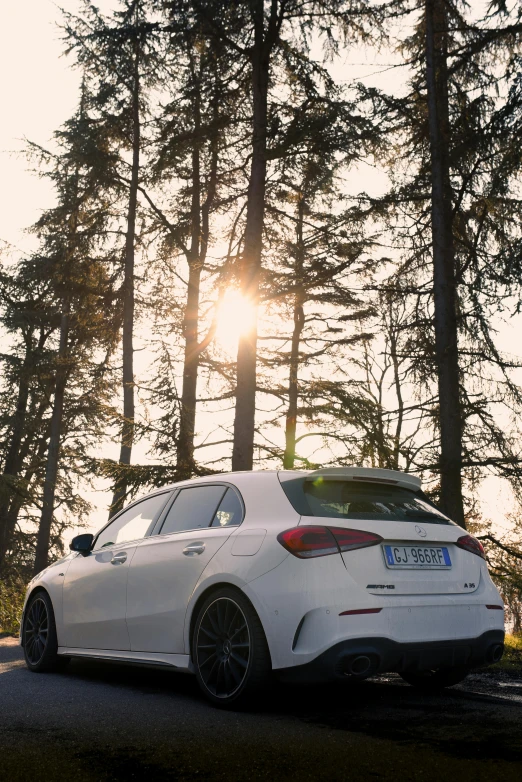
(358, 500)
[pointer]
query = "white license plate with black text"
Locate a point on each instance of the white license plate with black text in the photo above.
(421, 557)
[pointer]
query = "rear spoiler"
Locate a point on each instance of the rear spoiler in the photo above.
(367, 474)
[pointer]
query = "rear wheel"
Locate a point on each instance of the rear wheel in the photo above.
(229, 650)
(39, 635)
(431, 681)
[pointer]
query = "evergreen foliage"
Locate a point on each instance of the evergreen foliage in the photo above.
(217, 160)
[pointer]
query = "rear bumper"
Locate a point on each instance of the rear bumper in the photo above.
(362, 657)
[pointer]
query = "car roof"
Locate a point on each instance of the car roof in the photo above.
(370, 474)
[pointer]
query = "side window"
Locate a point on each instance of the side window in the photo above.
(133, 523)
(230, 512)
(193, 508)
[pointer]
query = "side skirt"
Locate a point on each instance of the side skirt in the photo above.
(180, 662)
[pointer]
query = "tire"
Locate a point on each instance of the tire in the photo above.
(229, 650)
(431, 681)
(39, 636)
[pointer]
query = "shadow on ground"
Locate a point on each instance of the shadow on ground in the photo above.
(107, 721)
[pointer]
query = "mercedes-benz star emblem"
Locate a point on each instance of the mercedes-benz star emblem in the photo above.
(420, 531)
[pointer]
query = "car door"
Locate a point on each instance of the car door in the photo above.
(167, 565)
(95, 585)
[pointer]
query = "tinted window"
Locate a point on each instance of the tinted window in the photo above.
(193, 508)
(133, 523)
(358, 500)
(230, 511)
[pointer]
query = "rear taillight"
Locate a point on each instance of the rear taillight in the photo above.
(350, 539)
(307, 542)
(471, 544)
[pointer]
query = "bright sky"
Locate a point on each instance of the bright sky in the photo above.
(38, 92)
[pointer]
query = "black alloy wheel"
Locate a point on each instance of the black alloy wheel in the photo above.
(36, 630)
(230, 652)
(39, 635)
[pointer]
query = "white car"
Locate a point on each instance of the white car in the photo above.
(316, 576)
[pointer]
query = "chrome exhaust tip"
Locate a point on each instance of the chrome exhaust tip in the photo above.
(358, 666)
(495, 653)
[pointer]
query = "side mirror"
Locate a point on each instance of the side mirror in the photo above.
(82, 543)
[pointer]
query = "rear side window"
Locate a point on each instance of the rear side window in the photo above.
(193, 508)
(358, 500)
(230, 511)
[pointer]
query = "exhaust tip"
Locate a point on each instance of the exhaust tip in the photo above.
(495, 653)
(358, 666)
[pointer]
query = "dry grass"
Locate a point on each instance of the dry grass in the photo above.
(12, 593)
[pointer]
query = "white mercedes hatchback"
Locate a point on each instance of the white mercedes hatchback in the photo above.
(315, 576)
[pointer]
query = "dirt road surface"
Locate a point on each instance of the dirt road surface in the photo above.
(109, 722)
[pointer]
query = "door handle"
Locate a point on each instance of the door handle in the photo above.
(119, 559)
(194, 548)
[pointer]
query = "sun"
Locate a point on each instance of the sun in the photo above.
(236, 316)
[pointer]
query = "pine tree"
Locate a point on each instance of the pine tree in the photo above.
(195, 131)
(454, 207)
(117, 54)
(322, 244)
(256, 34)
(444, 282)
(72, 236)
(26, 296)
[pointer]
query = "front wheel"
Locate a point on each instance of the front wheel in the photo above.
(39, 635)
(431, 681)
(229, 650)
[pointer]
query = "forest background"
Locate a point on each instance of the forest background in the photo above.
(263, 234)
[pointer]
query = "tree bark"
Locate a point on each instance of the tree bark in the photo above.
(128, 425)
(245, 409)
(393, 339)
(185, 446)
(13, 461)
(293, 388)
(444, 284)
(53, 453)
(200, 230)
(293, 385)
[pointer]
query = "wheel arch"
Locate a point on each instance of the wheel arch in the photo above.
(206, 593)
(37, 588)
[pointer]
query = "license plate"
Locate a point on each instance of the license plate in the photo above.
(421, 557)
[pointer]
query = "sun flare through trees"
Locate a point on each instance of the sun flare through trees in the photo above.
(284, 233)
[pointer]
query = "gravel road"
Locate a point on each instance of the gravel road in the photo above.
(103, 721)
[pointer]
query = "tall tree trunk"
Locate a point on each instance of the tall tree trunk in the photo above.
(244, 419)
(394, 355)
(187, 423)
(13, 461)
(128, 425)
(444, 284)
(53, 453)
(200, 233)
(293, 386)
(185, 447)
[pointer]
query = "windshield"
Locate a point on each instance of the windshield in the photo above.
(358, 500)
